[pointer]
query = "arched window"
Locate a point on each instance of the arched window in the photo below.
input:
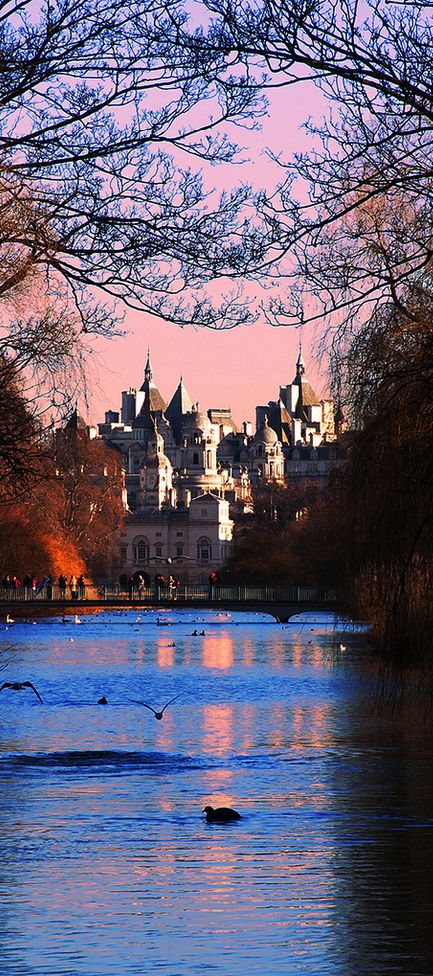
(209, 459)
(140, 549)
(195, 458)
(204, 550)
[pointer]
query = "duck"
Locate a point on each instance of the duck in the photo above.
(221, 814)
(102, 701)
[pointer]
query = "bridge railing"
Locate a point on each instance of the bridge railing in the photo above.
(183, 594)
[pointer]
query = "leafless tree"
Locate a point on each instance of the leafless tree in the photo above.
(102, 204)
(96, 117)
(351, 218)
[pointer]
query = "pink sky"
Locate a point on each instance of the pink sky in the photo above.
(238, 368)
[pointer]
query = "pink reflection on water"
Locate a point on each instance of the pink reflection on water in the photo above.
(165, 653)
(217, 728)
(217, 651)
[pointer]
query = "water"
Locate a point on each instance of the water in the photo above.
(107, 865)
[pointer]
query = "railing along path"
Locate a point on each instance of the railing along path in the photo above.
(281, 602)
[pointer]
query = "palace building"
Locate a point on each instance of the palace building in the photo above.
(187, 471)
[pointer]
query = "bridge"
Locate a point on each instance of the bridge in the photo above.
(280, 602)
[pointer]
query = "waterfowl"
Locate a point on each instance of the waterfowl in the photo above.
(157, 715)
(221, 814)
(102, 701)
(19, 686)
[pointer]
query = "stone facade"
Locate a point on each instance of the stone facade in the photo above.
(184, 466)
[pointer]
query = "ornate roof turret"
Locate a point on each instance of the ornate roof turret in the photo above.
(148, 372)
(300, 365)
(266, 434)
(76, 421)
(307, 396)
(156, 402)
(144, 419)
(180, 404)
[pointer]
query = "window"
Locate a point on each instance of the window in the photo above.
(195, 459)
(123, 554)
(179, 533)
(140, 548)
(179, 550)
(204, 551)
(158, 550)
(209, 459)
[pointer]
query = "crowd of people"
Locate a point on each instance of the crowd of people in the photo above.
(73, 588)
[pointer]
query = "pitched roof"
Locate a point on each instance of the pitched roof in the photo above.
(76, 421)
(179, 405)
(151, 392)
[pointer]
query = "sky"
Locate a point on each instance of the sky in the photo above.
(238, 368)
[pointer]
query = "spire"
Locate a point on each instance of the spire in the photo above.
(300, 365)
(180, 404)
(148, 372)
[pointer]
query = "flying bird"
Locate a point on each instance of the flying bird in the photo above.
(19, 686)
(157, 715)
(221, 814)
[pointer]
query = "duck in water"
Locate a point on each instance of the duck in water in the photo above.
(221, 814)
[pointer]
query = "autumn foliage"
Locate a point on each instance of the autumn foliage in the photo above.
(295, 535)
(68, 519)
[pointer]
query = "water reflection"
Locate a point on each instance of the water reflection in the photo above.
(107, 863)
(217, 651)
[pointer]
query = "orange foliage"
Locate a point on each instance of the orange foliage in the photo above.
(62, 556)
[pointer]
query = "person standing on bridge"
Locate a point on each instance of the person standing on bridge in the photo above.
(213, 579)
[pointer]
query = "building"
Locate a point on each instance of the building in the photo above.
(187, 542)
(187, 471)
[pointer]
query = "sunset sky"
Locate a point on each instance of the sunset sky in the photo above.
(241, 367)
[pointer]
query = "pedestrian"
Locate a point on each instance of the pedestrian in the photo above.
(73, 587)
(27, 584)
(212, 583)
(49, 587)
(7, 584)
(81, 587)
(62, 581)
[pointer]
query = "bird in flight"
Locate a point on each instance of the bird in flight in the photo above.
(19, 686)
(157, 715)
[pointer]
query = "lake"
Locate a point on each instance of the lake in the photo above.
(108, 865)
